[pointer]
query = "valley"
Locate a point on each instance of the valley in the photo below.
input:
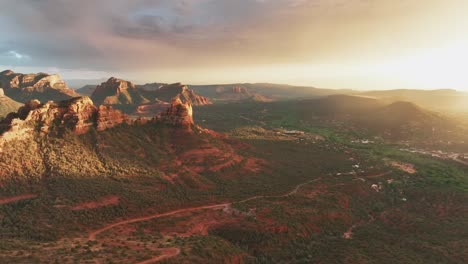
(334, 179)
(233, 132)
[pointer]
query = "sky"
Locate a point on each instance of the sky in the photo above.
(359, 44)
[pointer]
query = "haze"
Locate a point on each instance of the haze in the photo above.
(360, 44)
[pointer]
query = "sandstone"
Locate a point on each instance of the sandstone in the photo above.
(181, 91)
(116, 91)
(108, 117)
(166, 92)
(24, 87)
(179, 114)
(78, 115)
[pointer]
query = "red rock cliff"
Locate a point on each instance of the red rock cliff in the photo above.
(179, 114)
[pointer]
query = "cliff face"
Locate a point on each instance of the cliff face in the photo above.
(179, 114)
(107, 117)
(42, 86)
(116, 91)
(78, 115)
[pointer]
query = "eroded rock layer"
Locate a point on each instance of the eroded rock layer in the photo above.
(41, 86)
(179, 114)
(78, 115)
(116, 91)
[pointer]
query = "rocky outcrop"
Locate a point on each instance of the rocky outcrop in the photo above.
(179, 114)
(78, 115)
(107, 117)
(116, 91)
(169, 91)
(185, 94)
(42, 86)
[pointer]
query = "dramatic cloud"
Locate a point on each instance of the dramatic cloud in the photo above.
(151, 39)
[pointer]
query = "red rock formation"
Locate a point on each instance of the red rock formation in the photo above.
(170, 91)
(107, 117)
(25, 87)
(78, 115)
(117, 91)
(179, 114)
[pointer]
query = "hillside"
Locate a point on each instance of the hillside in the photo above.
(7, 105)
(42, 86)
(441, 100)
(398, 120)
(88, 183)
(341, 105)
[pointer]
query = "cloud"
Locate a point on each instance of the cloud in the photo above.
(118, 34)
(17, 55)
(155, 35)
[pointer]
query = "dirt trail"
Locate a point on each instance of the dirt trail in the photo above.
(94, 234)
(379, 175)
(17, 198)
(166, 253)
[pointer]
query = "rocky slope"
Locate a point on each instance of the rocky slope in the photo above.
(7, 104)
(118, 92)
(42, 86)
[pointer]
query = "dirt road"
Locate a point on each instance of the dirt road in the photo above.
(17, 198)
(172, 252)
(94, 234)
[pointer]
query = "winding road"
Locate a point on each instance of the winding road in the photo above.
(172, 252)
(94, 234)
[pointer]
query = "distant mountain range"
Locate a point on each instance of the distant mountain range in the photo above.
(151, 98)
(395, 120)
(441, 99)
